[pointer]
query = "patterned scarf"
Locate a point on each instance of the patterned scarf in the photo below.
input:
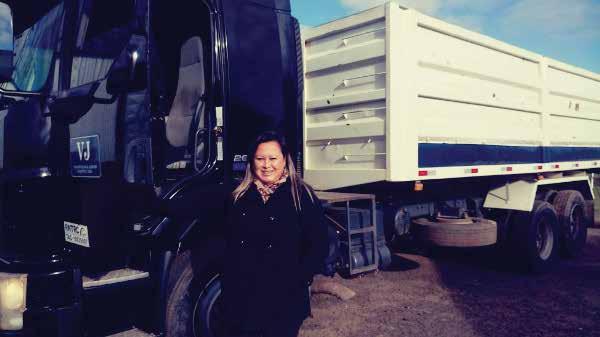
(267, 190)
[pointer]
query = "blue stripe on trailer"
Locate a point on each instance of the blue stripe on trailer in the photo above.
(441, 155)
(570, 153)
(445, 155)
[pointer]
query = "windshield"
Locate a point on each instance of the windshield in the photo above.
(35, 50)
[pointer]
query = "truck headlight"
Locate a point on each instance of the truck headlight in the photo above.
(13, 292)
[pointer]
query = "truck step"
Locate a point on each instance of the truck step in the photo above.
(133, 333)
(114, 276)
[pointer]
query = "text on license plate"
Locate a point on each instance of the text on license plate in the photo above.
(77, 234)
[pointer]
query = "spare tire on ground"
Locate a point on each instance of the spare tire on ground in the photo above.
(453, 232)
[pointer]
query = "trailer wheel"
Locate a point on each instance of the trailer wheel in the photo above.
(548, 196)
(570, 207)
(194, 304)
(589, 213)
(469, 232)
(535, 236)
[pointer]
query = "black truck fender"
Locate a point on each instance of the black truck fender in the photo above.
(180, 244)
(192, 274)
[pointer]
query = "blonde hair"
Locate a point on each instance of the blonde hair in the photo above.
(296, 182)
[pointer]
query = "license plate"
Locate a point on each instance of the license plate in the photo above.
(77, 234)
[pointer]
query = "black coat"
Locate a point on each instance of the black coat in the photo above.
(272, 253)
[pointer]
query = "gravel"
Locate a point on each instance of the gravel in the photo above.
(463, 293)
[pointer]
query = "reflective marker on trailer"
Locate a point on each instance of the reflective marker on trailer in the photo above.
(426, 173)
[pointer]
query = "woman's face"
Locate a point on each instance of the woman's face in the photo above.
(268, 162)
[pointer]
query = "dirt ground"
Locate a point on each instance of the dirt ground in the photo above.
(465, 293)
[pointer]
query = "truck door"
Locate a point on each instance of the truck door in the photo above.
(109, 33)
(109, 143)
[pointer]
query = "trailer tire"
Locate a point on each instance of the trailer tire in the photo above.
(548, 196)
(570, 208)
(534, 236)
(589, 213)
(193, 302)
(478, 233)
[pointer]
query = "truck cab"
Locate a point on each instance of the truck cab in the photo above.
(111, 110)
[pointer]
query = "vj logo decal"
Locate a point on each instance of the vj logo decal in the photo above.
(84, 150)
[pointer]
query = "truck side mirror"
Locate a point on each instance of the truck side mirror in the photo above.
(6, 43)
(71, 104)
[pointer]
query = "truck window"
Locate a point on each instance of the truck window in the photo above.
(184, 64)
(35, 49)
(104, 30)
(187, 114)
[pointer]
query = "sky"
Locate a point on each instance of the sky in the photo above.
(565, 30)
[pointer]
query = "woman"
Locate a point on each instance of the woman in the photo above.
(277, 241)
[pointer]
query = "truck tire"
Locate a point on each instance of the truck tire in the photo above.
(534, 237)
(193, 307)
(547, 195)
(570, 208)
(589, 213)
(471, 232)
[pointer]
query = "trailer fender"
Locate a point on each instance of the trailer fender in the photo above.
(520, 195)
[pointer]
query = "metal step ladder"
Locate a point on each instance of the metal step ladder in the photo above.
(345, 199)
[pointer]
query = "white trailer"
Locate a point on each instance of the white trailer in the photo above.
(393, 96)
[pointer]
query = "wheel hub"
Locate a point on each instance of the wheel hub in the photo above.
(575, 219)
(544, 240)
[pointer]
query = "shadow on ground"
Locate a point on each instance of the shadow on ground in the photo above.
(400, 263)
(499, 301)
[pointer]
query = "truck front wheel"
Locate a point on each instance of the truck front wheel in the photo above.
(194, 302)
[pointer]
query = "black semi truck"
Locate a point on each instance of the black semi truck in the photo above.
(112, 104)
(123, 121)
